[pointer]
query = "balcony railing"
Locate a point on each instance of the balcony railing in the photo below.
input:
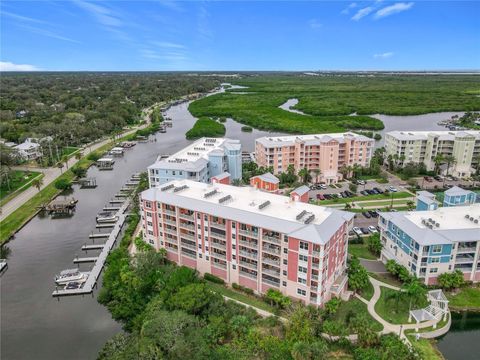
(270, 282)
(187, 236)
(251, 244)
(271, 261)
(466, 249)
(249, 254)
(217, 235)
(248, 233)
(218, 245)
(187, 226)
(170, 231)
(248, 265)
(247, 274)
(218, 225)
(272, 239)
(464, 260)
(219, 265)
(186, 253)
(188, 245)
(271, 272)
(218, 255)
(314, 288)
(187, 216)
(271, 250)
(170, 212)
(169, 222)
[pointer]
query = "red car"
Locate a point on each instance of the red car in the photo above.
(320, 197)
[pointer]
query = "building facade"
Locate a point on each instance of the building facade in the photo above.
(324, 154)
(200, 161)
(30, 149)
(265, 182)
(456, 196)
(424, 146)
(429, 243)
(425, 200)
(250, 237)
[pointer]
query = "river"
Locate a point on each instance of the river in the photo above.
(34, 325)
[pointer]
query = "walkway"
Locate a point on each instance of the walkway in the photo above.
(389, 327)
(374, 266)
(51, 174)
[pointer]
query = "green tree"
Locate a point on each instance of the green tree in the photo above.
(414, 291)
(357, 274)
(449, 160)
(309, 351)
(437, 160)
(63, 184)
(452, 280)
(374, 244)
(331, 306)
(195, 299)
(304, 174)
(38, 182)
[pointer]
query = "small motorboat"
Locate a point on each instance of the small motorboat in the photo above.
(73, 285)
(106, 216)
(69, 275)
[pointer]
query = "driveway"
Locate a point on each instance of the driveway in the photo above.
(374, 266)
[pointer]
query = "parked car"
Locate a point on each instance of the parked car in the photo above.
(392, 188)
(380, 191)
(375, 191)
(357, 231)
(327, 196)
(373, 213)
(438, 178)
(371, 192)
(427, 178)
(323, 186)
(372, 229)
(320, 197)
(366, 214)
(365, 231)
(361, 182)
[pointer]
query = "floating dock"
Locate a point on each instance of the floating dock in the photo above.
(99, 261)
(111, 208)
(102, 226)
(99, 236)
(93, 247)
(88, 183)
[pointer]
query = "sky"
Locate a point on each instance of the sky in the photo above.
(239, 35)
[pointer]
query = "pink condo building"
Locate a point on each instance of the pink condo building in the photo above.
(324, 152)
(250, 237)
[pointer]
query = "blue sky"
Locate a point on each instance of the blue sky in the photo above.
(239, 35)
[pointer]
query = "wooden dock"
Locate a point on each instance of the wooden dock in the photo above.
(117, 201)
(93, 247)
(99, 261)
(99, 236)
(84, 260)
(111, 208)
(103, 226)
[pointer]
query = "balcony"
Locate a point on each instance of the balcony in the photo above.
(248, 233)
(189, 254)
(316, 265)
(170, 231)
(272, 239)
(271, 250)
(218, 255)
(249, 254)
(169, 212)
(271, 272)
(219, 265)
(187, 236)
(248, 265)
(270, 282)
(250, 244)
(187, 216)
(170, 222)
(315, 277)
(464, 260)
(314, 288)
(218, 245)
(316, 253)
(188, 245)
(217, 235)
(187, 226)
(271, 262)
(218, 225)
(247, 274)
(463, 250)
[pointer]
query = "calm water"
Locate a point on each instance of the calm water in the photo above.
(462, 342)
(36, 326)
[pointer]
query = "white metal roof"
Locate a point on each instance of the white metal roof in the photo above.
(423, 135)
(244, 206)
(457, 191)
(311, 139)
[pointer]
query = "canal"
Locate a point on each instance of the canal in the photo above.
(34, 325)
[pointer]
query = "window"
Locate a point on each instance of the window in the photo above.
(433, 270)
(149, 214)
(150, 232)
(207, 257)
(284, 272)
(285, 250)
(149, 223)
(200, 256)
(284, 283)
(302, 269)
(301, 292)
(303, 245)
(435, 260)
(436, 249)
(303, 257)
(302, 281)
(234, 267)
(151, 241)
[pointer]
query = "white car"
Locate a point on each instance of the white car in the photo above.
(357, 231)
(372, 229)
(392, 189)
(361, 182)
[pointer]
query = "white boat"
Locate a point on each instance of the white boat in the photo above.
(106, 216)
(70, 275)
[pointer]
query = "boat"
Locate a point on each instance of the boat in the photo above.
(73, 285)
(162, 130)
(106, 216)
(69, 275)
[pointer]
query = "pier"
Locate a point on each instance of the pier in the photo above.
(110, 208)
(102, 226)
(93, 247)
(99, 261)
(88, 183)
(99, 236)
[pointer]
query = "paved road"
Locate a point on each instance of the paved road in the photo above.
(51, 174)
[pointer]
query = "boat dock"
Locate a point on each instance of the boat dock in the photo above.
(98, 261)
(88, 183)
(93, 247)
(102, 226)
(110, 208)
(99, 236)
(3, 265)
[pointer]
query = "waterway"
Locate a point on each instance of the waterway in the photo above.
(462, 342)
(34, 325)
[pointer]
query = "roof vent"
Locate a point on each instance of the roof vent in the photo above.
(225, 198)
(210, 193)
(467, 216)
(168, 187)
(475, 221)
(299, 216)
(309, 219)
(263, 205)
(437, 224)
(180, 188)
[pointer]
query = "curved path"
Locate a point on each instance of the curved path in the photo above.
(389, 327)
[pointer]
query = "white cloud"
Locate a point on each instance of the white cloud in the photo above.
(362, 13)
(8, 66)
(348, 8)
(102, 14)
(393, 9)
(22, 18)
(384, 55)
(314, 24)
(166, 44)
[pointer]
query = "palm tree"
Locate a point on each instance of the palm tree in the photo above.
(60, 166)
(38, 182)
(345, 170)
(449, 160)
(304, 175)
(414, 290)
(65, 160)
(438, 160)
(355, 169)
(78, 155)
(316, 173)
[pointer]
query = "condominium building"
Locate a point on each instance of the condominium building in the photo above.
(424, 146)
(429, 243)
(250, 237)
(323, 154)
(200, 161)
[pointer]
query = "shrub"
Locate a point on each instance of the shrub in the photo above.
(94, 156)
(353, 188)
(451, 280)
(63, 184)
(332, 305)
(247, 129)
(205, 127)
(213, 278)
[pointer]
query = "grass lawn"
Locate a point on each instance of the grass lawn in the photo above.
(466, 298)
(18, 180)
(426, 348)
(69, 150)
(367, 292)
(383, 203)
(361, 251)
(397, 195)
(386, 278)
(353, 307)
(395, 309)
(242, 297)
